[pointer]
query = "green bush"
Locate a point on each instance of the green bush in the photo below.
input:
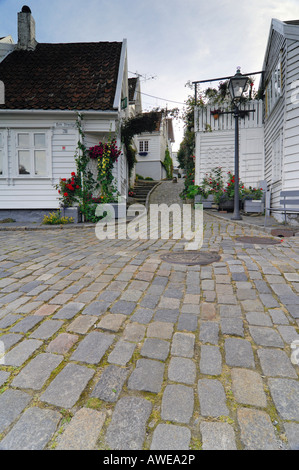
(54, 218)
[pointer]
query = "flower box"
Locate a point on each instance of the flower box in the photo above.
(253, 205)
(206, 202)
(71, 211)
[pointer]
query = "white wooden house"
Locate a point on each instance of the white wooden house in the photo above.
(269, 138)
(281, 122)
(151, 148)
(215, 143)
(46, 86)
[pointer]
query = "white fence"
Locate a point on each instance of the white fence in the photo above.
(206, 122)
(215, 143)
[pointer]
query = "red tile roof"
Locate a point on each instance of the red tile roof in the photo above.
(77, 76)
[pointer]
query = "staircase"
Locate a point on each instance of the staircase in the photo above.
(141, 190)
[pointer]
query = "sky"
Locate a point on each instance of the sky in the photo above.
(170, 42)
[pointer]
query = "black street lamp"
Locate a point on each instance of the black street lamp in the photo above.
(237, 86)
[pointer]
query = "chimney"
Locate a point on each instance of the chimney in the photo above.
(26, 30)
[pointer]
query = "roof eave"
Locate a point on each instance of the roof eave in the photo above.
(117, 97)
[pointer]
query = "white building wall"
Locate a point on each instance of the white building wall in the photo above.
(215, 144)
(25, 192)
(291, 124)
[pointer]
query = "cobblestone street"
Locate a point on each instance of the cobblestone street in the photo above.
(107, 346)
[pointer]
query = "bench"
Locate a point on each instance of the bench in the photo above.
(289, 201)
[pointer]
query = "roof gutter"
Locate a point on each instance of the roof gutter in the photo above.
(89, 112)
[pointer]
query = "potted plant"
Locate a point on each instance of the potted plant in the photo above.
(253, 200)
(215, 113)
(69, 190)
(225, 196)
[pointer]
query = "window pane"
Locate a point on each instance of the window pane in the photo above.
(39, 140)
(146, 145)
(40, 163)
(23, 140)
(1, 162)
(24, 162)
(141, 146)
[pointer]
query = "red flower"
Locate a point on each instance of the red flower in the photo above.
(65, 194)
(77, 187)
(73, 174)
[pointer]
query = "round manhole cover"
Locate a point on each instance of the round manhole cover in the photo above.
(191, 257)
(258, 240)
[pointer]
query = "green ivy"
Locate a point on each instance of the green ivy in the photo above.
(168, 164)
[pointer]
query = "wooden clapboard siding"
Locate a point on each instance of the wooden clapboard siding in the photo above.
(40, 193)
(291, 135)
(215, 143)
(273, 127)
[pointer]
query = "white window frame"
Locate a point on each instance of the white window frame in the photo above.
(143, 145)
(32, 148)
(3, 150)
(273, 88)
(277, 154)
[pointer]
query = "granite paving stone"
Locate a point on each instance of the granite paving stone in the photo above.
(212, 399)
(96, 308)
(177, 403)
(171, 437)
(3, 377)
(142, 315)
(83, 430)
(187, 322)
(238, 353)
(257, 431)
(82, 323)
(124, 307)
(161, 330)
(69, 310)
(134, 332)
(110, 384)
(275, 362)
(217, 436)
(285, 394)
(62, 343)
(292, 432)
(112, 322)
(209, 332)
(37, 371)
(27, 324)
(8, 340)
(212, 344)
(247, 387)
(265, 336)
(33, 431)
(21, 352)
(12, 403)
(167, 314)
(155, 348)
(122, 353)
(183, 344)
(147, 376)
(182, 370)
(127, 428)
(93, 347)
(210, 360)
(65, 390)
(232, 326)
(9, 320)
